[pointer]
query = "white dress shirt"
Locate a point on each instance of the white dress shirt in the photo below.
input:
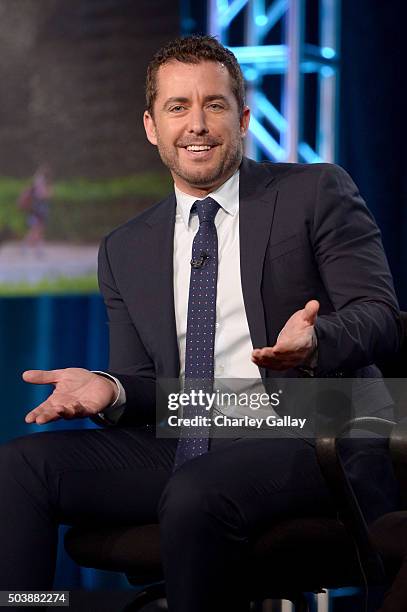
(233, 345)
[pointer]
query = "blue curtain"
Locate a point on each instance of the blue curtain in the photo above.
(48, 333)
(372, 120)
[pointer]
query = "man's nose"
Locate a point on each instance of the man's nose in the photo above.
(197, 121)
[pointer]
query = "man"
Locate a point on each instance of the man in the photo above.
(294, 268)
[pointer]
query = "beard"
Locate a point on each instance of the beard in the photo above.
(204, 176)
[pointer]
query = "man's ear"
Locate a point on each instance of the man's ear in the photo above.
(244, 121)
(149, 127)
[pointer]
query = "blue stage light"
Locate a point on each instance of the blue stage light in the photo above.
(261, 20)
(250, 74)
(327, 71)
(328, 52)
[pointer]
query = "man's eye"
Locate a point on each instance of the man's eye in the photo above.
(177, 109)
(216, 106)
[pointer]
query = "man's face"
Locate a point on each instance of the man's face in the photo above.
(196, 125)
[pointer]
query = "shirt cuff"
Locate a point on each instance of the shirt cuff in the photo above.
(111, 414)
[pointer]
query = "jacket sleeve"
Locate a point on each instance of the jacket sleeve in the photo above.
(129, 361)
(365, 325)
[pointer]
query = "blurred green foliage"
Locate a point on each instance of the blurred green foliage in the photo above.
(148, 185)
(62, 285)
(83, 210)
(12, 220)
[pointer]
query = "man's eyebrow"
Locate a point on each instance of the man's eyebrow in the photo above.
(216, 97)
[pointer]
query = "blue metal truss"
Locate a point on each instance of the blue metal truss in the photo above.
(277, 129)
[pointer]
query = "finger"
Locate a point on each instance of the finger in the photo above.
(42, 417)
(264, 355)
(72, 410)
(45, 412)
(273, 364)
(265, 350)
(31, 417)
(41, 377)
(311, 311)
(269, 354)
(276, 364)
(277, 359)
(67, 411)
(49, 409)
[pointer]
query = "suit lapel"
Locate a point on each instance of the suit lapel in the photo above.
(256, 212)
(160, 285)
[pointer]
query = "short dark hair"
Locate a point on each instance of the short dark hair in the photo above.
(192, 50)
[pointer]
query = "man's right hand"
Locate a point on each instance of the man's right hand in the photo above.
(78, 393)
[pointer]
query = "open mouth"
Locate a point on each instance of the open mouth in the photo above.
(198, 148)
(198, 151)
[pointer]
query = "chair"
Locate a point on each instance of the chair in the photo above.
(303, 554)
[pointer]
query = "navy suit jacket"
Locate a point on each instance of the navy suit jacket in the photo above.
(305, 233)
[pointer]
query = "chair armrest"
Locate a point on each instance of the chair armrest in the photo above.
(398, 450)
(330, 462)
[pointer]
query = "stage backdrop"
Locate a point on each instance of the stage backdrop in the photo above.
(52, 113)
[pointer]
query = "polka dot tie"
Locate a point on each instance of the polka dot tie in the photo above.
(200, 340)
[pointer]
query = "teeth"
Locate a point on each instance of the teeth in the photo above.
(198, 148)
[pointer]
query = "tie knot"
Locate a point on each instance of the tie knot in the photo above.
(206, 209)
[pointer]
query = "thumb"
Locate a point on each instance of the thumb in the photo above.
(311, 311)
(41, 377)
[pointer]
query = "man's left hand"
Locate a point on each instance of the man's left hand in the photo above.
(295, 343)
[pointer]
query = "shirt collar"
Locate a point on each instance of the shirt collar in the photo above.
(227, 196)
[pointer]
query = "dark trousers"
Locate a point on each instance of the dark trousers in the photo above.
(208, 510)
